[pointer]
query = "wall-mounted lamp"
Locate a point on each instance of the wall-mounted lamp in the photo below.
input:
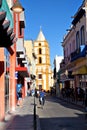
(17, 7)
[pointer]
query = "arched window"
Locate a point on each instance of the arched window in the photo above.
(82, 35)
(40, 60)
(77, 40)
(40, 51)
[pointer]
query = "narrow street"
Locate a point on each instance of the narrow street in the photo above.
(60, 115)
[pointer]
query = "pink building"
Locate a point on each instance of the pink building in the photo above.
(13, 62)
(73, 70)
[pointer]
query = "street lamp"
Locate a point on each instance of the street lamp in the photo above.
(17, 7)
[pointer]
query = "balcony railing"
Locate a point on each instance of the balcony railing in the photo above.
(78, 53)
(75, 53)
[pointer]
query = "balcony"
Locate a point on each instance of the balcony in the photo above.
(78, 53)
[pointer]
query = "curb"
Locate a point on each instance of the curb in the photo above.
(38, 122)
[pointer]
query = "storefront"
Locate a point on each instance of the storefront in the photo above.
(80, 75)
(67, 79)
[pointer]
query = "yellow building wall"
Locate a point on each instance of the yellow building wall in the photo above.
(44, 67)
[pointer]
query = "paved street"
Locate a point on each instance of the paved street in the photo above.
(60, 115)
(22, 118)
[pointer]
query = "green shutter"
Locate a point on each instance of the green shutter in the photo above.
(5, 7)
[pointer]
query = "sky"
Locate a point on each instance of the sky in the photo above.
(54, 17)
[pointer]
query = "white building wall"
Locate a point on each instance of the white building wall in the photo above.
(58, 60)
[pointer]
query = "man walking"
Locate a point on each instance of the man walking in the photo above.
(42, 97)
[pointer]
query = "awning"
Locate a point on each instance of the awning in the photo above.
(22, 71)
(21, 68)
(81, 70)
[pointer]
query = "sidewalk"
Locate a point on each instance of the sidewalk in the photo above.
(22, 118)
(77, 103)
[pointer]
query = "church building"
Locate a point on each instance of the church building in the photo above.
(43, 67)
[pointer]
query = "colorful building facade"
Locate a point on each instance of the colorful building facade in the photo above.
(73, 69)
(12, 65)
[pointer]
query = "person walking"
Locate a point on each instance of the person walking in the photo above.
(19, 94)
(42, 97)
